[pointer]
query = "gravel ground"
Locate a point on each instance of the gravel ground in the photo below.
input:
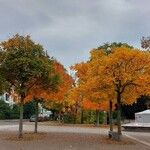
(63, 138)
(64, 141)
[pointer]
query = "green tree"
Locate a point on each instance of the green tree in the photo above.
(4, 85)
(29, 109)
(14, 112)
(107, 45)
(24, 65)
(5, 110)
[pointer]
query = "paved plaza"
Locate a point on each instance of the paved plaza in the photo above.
(54, 137)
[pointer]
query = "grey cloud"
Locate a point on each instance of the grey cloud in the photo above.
(68, 29)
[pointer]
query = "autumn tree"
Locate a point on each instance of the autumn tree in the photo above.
(24, 65)
(145, 43)
(107, 49)
(127, 71)
(59, 97)
(65, 83)
(89, 92)
(40, 94)
(75, 97)
(121, 76)
(79, 93)
(53, 94)
(83, 99)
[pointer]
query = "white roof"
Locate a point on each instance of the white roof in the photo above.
(144, 112)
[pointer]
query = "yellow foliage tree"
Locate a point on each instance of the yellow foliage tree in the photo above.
(48, 94)
(122, 76)
(128, 72)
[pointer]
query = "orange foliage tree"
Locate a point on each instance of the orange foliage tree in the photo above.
(50, 95)
(128, 71)
(86, 93)
(121, 76)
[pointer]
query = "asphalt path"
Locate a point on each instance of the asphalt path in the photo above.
(12, 125)
(141, 137)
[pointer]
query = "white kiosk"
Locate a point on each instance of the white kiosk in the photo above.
(142, 122)
(143, 117)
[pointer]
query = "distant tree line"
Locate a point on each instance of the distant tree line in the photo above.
(12, 112)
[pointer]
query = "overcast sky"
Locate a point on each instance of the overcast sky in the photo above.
(68, 29)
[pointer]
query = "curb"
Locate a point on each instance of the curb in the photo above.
(140, 141)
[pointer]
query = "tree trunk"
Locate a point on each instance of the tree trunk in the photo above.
(97, 118)
(74, 119)
(75, 116)
(110, 116)
(21, 118)
(59, 117)
(119, 114)
(82, 116)
(36, 116)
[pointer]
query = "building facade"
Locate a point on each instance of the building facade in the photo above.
(7, 98)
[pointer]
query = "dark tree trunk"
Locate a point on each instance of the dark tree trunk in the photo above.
(119, 114)
(75, 116)
(21, 118)
(74, 119)
(97, 118)
(82, 112)
(110, 116)
(36, 116)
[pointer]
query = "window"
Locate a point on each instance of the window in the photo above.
(7, 97)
